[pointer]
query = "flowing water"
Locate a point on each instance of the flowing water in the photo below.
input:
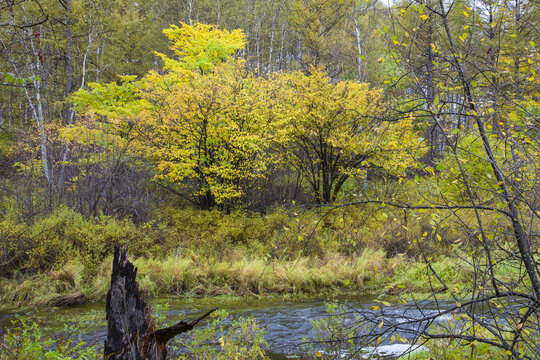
(287, 323)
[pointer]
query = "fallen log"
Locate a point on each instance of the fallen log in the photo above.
(131, 332)
(73, 299)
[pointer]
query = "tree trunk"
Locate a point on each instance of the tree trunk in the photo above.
(68, 114)
(359, 46)
(131, 330)
(432, 130)
(520, 235)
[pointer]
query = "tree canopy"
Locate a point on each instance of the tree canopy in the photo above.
(214, 130)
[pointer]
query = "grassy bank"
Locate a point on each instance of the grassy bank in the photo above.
(194, 274)
(189, 252)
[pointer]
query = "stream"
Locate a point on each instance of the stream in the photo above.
(287, 323)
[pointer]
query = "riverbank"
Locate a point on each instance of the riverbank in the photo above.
(65, 258)
(194, 274)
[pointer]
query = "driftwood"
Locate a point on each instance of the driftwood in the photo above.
(131, 332)
(72, 299)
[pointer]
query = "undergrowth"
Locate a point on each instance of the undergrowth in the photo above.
(193, 252)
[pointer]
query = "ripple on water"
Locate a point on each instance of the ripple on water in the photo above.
(287, 323)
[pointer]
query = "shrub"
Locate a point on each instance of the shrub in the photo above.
(224, 339)
(26, 340)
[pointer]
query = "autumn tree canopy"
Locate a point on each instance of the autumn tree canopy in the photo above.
(336, 130)
(213, 129)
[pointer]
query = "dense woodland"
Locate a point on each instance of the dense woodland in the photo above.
(279, 147)
(82, 46)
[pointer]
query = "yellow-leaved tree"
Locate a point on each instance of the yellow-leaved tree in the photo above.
(212, 124)
(213, 130)
(204, 122)
(212, 136)
(336, 130)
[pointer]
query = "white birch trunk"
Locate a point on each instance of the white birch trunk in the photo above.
(359, 46)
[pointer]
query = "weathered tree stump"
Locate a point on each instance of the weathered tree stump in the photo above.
(131, 333)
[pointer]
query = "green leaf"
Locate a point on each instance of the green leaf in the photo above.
(10, 77)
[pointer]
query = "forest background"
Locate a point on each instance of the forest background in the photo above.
(291, 147)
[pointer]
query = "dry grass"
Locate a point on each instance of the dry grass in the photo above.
(198, 275)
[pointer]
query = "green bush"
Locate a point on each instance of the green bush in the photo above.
(240, 339)
(334, 339)
(28, 341)
(476, 167)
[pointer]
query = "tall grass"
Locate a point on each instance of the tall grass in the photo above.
(185, 251)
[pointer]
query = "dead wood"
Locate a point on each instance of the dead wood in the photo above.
(131, 330)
